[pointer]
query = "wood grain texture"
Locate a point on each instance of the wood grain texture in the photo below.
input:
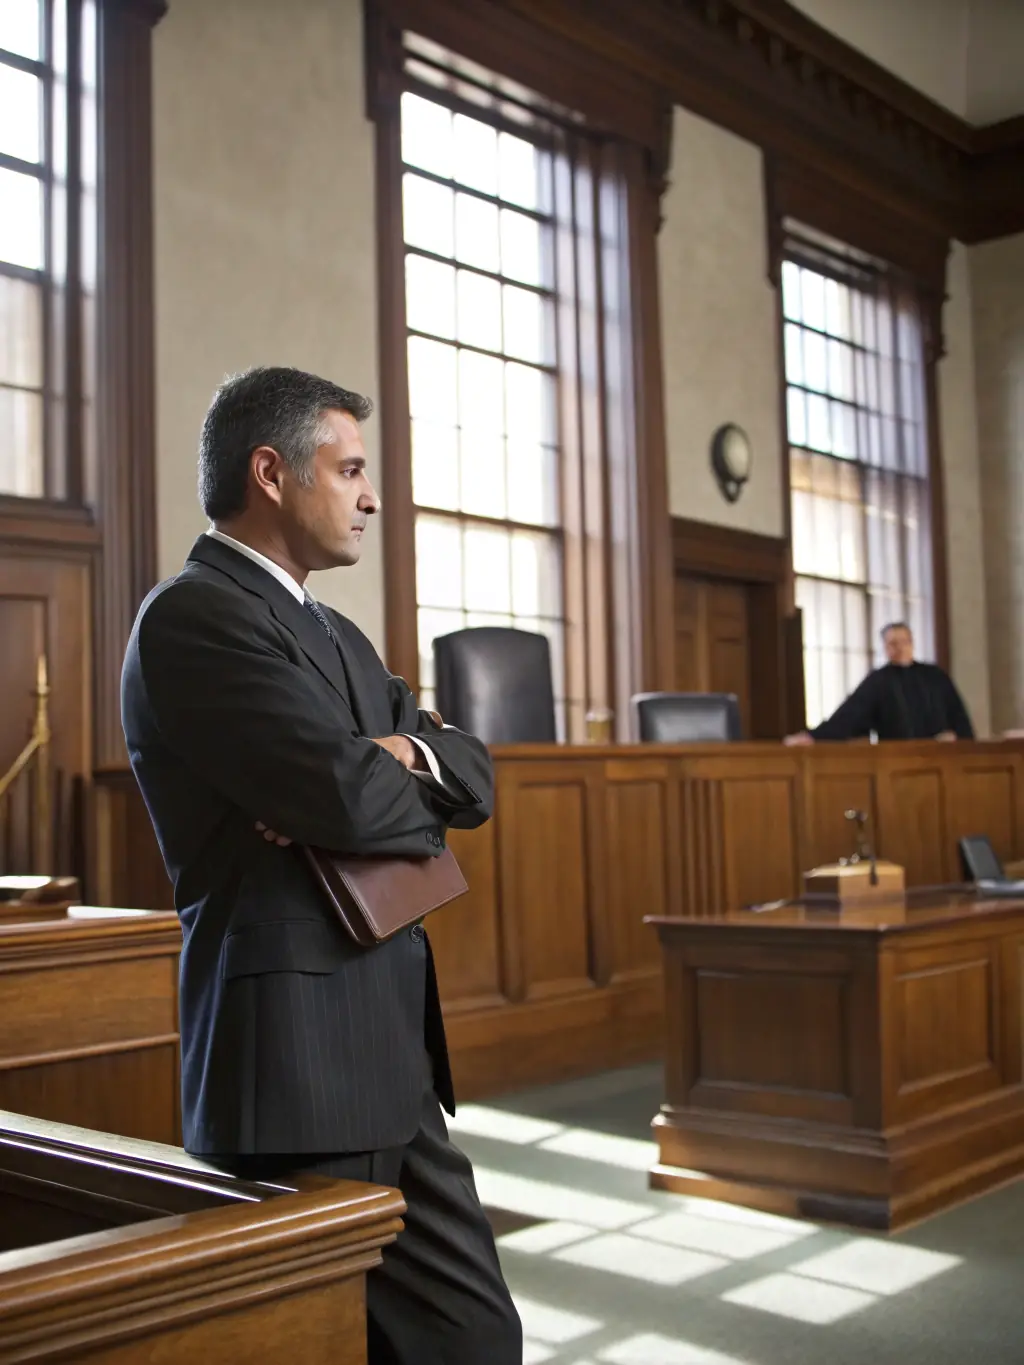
(45, 607)
(731, 606)
(546, 969)
(863, 1066)
(89, 1022)
(183, 1263)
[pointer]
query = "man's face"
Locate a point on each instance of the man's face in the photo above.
(899, 646)
(325, 521)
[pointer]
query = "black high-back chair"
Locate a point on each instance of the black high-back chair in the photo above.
(495, 682)
(686, 717)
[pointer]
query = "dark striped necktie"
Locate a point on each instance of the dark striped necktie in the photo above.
(314, 610)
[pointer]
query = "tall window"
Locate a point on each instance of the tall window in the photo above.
(859, 465)
(479, 277)
(25, 119)
(517, 289)
(47, 239)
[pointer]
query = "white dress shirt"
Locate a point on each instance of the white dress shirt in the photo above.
(301, 596)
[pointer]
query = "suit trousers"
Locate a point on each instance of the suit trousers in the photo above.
(439, 1297)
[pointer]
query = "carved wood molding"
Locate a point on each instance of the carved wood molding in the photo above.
(770, 74)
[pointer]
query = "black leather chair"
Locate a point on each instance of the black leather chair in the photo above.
(686, 717)
(495, 683)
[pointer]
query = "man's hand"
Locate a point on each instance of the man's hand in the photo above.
(271, 836)
(402, 748)
(946, 736)
(804, 737)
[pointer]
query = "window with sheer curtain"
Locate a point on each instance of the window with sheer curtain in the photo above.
(479, 262)
(858, 462)
(47, 218)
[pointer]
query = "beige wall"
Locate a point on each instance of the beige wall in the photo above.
(958, 417)
(997, 288)
(264, 232)
(719, 325)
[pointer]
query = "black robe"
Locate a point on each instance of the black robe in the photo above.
(916, 702)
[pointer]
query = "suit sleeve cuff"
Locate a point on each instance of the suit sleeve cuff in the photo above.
(432, 763)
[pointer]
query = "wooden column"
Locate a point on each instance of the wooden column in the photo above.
(122, 472)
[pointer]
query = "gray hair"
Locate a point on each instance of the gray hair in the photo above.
(266, 406)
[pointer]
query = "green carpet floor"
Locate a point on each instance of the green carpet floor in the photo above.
(608, 1272)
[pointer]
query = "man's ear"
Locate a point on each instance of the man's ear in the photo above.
(267, 470)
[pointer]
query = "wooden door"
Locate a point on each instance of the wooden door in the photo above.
(712, 639)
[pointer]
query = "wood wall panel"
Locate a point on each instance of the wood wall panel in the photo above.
(911, 825)
(986, 798)
(642, 871)
(760, 820)
(466, 938)
(546, 968)
(545, 872)
(45, 608)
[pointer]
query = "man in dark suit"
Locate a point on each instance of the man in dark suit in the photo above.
(258, 720)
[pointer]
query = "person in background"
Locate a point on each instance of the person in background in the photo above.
(903, 699)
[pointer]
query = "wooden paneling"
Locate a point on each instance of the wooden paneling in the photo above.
(466, 939)
(184, 1263)
(731, 595)
(641, 814)
(44, 609)
(712, 640)
(133, 1093)
(544, 876)
(861, 1067)
(943, 1028)
(546, 969)
(89, 1022)
(911, 820)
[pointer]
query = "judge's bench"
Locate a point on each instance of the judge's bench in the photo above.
(546, 968)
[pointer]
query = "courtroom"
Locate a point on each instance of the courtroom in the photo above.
(511, 682)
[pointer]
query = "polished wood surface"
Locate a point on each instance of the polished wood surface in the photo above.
(121, 1252)
(861, 1065)
(546, 969)
(89, 1020)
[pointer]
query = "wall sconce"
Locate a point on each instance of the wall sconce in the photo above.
(731, 459)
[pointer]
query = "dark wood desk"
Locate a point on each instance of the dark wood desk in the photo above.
(116, 1252)
(546, 969)
(89, 1019)
(862, 1066)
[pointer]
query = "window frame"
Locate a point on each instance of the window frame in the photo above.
(618, 577)
(877, 294)
(64, 330)
(916, 252)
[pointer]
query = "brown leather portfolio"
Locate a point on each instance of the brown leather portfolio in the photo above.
(375, 898)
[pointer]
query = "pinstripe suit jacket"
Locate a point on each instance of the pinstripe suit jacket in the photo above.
(237, 707)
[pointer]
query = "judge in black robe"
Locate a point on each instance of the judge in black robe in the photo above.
(903, 699)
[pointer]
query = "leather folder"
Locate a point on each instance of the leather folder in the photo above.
(376, 898)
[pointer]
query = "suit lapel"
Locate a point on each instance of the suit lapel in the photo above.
(311, 638)
(365, 696)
